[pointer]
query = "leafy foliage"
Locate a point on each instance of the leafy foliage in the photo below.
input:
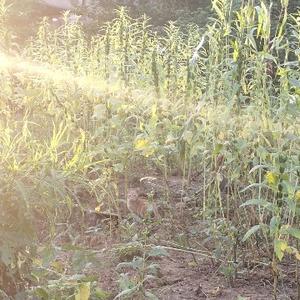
(79, 112)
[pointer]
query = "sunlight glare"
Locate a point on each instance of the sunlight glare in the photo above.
(3, 61)
(52, 73)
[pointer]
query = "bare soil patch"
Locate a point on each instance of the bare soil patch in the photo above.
(183, 275)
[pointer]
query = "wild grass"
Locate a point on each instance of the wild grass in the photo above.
(79, 112)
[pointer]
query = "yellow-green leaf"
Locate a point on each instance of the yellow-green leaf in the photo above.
(297, 196)
(84, 291)
(272, 178)
(141, 144)
(279, 247)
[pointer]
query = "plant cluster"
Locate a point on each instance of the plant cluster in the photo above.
(79, 113)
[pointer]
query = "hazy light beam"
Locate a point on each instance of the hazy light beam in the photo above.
(52, 73)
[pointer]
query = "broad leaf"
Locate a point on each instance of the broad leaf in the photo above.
(274, 225)
(260, 202)
(295, 232)
(158, 251)
(279, 247)
(127, 292)
(250, 232)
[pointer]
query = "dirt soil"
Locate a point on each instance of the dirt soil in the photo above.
(184, 278)
(182, 275)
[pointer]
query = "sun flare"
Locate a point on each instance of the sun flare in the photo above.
(53, 73)
(4, 63)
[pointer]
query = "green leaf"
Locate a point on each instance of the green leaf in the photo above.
(218, 9)
(101, 294)
(254, 202)
(158, 252)
(258, 167)
(217, 149)
(251, 38)
(250, 232)
(127, 292)
(274, 225)
(150, 296)
(269, 56)
(260, 202)
(279, 247)
(294, 232)
(42, 293)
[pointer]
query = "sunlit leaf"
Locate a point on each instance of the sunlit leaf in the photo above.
(279, 247)
(272, 178)
(297, 196)
(84, 291)
(218, 149)
(99, 208)
(141, 144)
